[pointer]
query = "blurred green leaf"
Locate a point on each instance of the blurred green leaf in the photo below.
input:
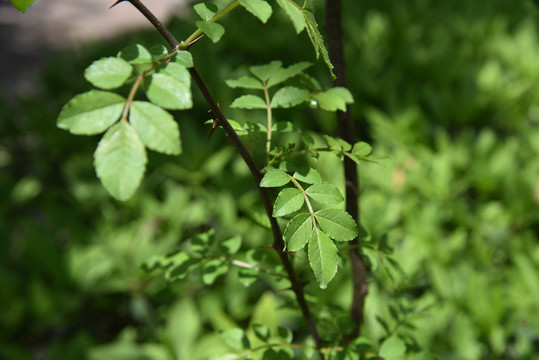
(22, 5)
(213, 270)
(235, 338)
(231, 245)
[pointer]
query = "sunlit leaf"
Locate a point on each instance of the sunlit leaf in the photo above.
(246, 82)
(262, 332)
(120, 161)
(108, 73)
(288, 201)
(247, 276)
(337, 224)
(361, 149)
(249, 102)
(206, 10)
(289, 96)
(298, 231)
(308, 175)
(322, 257)
(274, 178)
(259, 8)
(317, 40)
(170, 87)
(325, 193)
(184, 58)
(294, 14)
(155, 127)
(158, 52)
(136, 54)
(213, 30)
(91, 113)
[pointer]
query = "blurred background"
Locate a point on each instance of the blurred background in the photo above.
(447, 93)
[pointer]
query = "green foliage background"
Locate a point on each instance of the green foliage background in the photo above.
(445, 91)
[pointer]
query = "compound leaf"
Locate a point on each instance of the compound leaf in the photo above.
(108, 73)
(120, 160)
(91, 112)
(289, 96)
(259, 8)
(325, 193)
(298, 231)
(337, 224)
(155, 127)
(288, 201)
(322, 257)
(274, 178)
(249, 102)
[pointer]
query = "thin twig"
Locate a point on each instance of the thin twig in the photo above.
(278, 243)
(348, 133)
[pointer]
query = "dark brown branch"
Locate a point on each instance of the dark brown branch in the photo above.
(347, 132)
(278, 243)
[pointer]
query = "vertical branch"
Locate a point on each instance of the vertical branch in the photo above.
(278, 243)
(347, 132)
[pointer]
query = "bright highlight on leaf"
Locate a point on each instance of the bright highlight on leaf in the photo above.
(249, 102)
(170, 87)
(259, 8)
(289, 96)
(108, 73)
(294, 13)
(155, 127)
(136, 54)
(246, 82)
(298, 231)
(91, 113)
(213, 30)
(120, 161)
(325, 193)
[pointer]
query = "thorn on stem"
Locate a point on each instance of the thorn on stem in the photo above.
(116, 3)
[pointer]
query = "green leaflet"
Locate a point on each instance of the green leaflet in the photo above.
(288, 201)
(274, 178)
(263, 72)
(362, 149)
(184, 58)
(262, 332)
(158, 52)
(298, 231)
(91, 113)
(22, 5)
(294, 13)
(289, 96)
(317, 40)
(120, 161)
(136, 54)
(259, 8)
(333, 99)
(281, 74)
(108, 73)
(322, 257)
(206, 10)
(181, 265)
(308, 175)
(155, 127)
(213, 30)
(249, 102)
(337, 224)
(325, 193)
(170, 87)
(246, 82)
